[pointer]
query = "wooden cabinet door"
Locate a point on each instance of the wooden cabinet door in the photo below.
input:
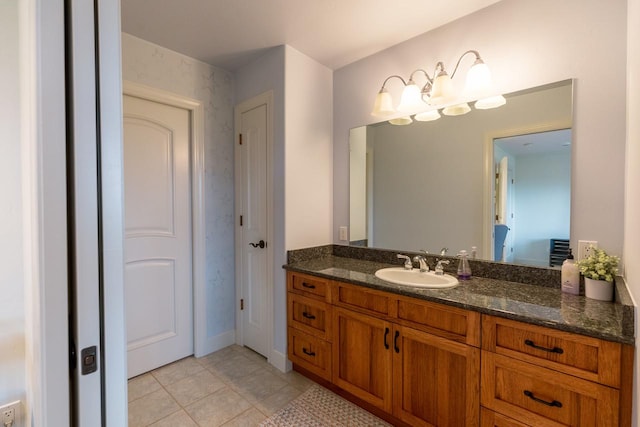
(436, 382)
(362, 356)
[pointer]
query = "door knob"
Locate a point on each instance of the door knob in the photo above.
(261, 244)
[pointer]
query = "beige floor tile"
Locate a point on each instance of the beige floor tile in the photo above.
(141, 385)
(235, 368)
(177, 419)
(258, 385)
(250, 418)
(218, 408)
(195, 387)
(293, 378)
(176, 371)
(218, 356)
(252, 355)
(150, 408)
(278, 400)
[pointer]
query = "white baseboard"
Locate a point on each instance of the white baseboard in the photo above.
(280, 361)
(216, 343)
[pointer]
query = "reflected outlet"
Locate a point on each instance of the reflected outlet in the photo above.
(585, 248)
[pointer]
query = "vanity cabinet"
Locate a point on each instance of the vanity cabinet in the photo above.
(430, 364)
(309, 318)
(540, 376)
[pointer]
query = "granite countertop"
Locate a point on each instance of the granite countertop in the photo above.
(534, 304)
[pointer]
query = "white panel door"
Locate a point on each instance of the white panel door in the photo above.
(253, 128)
(158, 267)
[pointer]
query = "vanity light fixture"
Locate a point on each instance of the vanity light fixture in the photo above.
(401, 121)
(439, 91)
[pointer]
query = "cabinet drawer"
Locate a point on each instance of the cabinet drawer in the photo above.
(309, 315)
(314, 287)
(585, 357)
(362, 299)
(492, 419)
(540, 396)
(311, 353)
(448, 322)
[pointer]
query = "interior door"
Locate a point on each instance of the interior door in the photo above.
(158, 267)
(253, 240)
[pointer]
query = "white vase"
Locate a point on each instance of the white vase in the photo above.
(598, 289)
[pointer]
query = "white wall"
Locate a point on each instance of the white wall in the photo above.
(12, 314)
(632, 201)
(577, 36)
(542, 208)
(155, 66)
(308, 151)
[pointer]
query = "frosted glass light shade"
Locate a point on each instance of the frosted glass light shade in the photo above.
(491, 102)
(442, 91)
(456, 110)
(411, 100)
(427, 116)
(383, 105)
(401, 121)
(478, 82)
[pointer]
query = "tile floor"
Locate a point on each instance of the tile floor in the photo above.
(231, 387)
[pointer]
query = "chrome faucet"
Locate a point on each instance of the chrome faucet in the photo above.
(444, 251)
(408, 265)
(422, 261)
(439, 270)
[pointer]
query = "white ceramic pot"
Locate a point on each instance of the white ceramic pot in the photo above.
(598, 289)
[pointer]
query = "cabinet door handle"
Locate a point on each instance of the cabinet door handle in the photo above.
(308, 352)
(386, 344)
(531, 396)
(308, 316)
(395, 342)
(537, 347)
(306, 285)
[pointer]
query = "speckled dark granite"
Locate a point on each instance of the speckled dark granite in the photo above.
(541, 304)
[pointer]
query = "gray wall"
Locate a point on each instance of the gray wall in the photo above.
(584, 40)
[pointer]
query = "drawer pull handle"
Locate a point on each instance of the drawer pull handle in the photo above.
(395, 342)
(306, 285)
(550, 350)
(308, 316)
(386, 344)
(531, 396)
(308, 353)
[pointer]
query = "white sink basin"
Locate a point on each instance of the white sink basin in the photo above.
(400, 276)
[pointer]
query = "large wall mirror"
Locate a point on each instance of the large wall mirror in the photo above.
(495, 180)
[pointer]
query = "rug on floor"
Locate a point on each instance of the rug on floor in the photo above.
(321, 407)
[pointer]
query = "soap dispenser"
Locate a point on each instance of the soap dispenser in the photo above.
(570, 275)
(464, 271)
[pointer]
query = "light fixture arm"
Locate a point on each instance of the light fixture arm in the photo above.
(429, 79)
(478, 60)
(387, 79)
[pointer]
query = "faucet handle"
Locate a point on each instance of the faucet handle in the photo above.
(444, 251)
(439, 270)
(408, 265)
(424, 267)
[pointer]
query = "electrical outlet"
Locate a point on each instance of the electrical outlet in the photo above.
(10, 415)
(344, 236)
(585, 248)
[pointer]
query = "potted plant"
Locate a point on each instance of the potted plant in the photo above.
(599, 271)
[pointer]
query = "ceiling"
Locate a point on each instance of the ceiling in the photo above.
(231, 33)
(536, 143)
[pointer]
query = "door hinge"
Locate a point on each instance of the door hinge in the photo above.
(240, 220)
(240, 139)
(241, 304)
